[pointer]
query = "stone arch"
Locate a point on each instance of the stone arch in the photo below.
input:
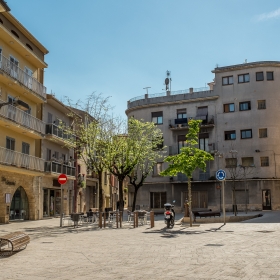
(19, 208)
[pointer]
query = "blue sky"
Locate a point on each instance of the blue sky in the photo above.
(118, 47)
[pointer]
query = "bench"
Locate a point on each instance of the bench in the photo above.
(13, 242)
(205, 213)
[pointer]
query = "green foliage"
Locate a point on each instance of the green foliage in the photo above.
(190, 157)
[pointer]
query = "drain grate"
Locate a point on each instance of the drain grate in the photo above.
(214, 245)
(265, 231)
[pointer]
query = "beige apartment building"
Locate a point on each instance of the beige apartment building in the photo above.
(239, 112)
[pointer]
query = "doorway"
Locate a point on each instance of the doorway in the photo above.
(19, 209)
(266, 199)
(51, 203)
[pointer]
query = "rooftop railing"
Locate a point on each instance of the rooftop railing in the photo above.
(12, 69)
(20, 117)
(10, 157)
(185, 91)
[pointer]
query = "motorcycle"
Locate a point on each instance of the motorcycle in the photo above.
(169, 215)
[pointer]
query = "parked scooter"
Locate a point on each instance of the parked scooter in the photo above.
(169, 215)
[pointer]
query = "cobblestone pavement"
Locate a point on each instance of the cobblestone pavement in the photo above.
(247, 250)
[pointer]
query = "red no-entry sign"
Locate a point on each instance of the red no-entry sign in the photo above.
(62, 179)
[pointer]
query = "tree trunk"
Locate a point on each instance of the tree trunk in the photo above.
(134, 198)
(121, 204)
(100, 193)
(190, 199)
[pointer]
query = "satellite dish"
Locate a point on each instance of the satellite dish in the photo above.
(166, 81)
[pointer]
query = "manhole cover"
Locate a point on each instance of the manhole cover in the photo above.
(214, 245)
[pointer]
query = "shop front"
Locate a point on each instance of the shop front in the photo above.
(51, 202)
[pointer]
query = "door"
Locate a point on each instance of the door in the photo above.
(19, 209)
(199, 199)
(266, 199)
(28, 77)
(14, 67)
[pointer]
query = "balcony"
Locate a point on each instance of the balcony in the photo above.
(9, 157)
(92, 175)
(19, 117)
(53, 130)
(58, 168)
(19, 75)
(182, 124)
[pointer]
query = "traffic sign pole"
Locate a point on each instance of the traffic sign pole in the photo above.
(62, 179)
(221, 176)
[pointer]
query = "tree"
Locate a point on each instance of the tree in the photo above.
(189, 158)
(135, 147)
(144, 167)
(92, 125)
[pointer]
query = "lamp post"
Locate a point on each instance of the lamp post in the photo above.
(234, 173)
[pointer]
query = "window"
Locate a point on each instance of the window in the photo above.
(29, 46)
(28, 77)
(10, 143)
(229, 108)
(0, 57)
(264, 161)
(157, 117)
(247, 161)
(14, 32)
(261, 104)
(157, 199)
(262, 132)
(14, 66)
(49, 154)
(244, 78)
(181, 113)
(49, 118)
(1, 21)
(25, 148)
(245, 134)
(157, 168)
(227, 80)
(230, 135)
(259, 76)
(181, 142)
(244, 106)
(202, 114)
(269, 76)
(231, 162)
(204, 141)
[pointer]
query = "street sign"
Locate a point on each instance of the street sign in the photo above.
(62, 179)
(221, 175)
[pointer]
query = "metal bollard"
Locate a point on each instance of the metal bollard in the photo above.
(117, 219)
(100, 219)
(120, 219)
(104, 214)
(152, 218)
(136, 219)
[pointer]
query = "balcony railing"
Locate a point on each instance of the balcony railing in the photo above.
(58, 132)
(12, 69)
(56, 167)
(17, 159)
(20, 117)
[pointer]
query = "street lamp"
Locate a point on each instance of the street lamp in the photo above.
(234, 175)
(219, 155)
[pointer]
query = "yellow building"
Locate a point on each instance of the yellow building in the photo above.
(22, 95)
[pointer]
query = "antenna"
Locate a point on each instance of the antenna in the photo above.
(168, 80)
(147, 88)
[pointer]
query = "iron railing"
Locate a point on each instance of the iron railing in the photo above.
(12, 69)
(10, 157)
(58, 132)
(20, 117)
(56, 167)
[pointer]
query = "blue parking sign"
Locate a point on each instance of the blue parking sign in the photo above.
(221, 175)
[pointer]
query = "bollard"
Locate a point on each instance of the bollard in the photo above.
(121, 219)
(100, 219)
(136, 218)
(152, 219)
(104, 215)
(117, 219)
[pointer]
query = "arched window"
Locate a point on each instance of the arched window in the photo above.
(29, 46)
(19, 209)
(14, 32)
(1, 21)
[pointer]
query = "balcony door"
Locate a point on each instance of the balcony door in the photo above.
(14, 67)
(10, 146)
(28, 77)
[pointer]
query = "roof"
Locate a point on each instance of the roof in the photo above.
(246, 66)
(4, 7)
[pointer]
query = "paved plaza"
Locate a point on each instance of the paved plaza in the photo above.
(247, 250)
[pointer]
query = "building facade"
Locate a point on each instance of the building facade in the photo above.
(238, 112)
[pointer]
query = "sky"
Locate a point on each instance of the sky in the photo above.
(119, 47)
